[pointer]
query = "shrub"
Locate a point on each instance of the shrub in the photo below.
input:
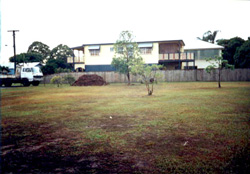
(148, 75)
(69, 79)
(4, 69)
(62, 70)
(57, 80)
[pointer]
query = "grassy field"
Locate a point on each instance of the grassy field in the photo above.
(183, 128)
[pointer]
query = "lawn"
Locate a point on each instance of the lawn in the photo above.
(183, 128)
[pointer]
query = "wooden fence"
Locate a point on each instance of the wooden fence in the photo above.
(169, 76)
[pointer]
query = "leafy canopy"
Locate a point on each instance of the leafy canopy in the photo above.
(41, 48)
(27, 57)
(4, 69)
(61, 52)
(69, 79)
(55, 65)
(218, 63)
(58, 60)
(57, 80)
(127, 54)
(148, 75)
(230, 48)
(209, 36)
(242, 55)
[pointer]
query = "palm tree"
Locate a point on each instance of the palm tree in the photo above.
(209, 36)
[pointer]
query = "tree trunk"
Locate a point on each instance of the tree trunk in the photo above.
(219, 78)
(150, 92)
(128, 75)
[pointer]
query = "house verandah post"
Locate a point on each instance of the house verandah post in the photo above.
(179, 60)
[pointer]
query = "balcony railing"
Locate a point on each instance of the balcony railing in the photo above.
(76, 59)
(177, 56)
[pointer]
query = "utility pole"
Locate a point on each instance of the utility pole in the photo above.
(14, 46)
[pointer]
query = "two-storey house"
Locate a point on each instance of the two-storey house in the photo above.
(98, 57)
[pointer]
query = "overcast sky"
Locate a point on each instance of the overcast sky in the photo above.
(75, 22)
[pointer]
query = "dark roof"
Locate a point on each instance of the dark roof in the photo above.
(157, 41)
(78, 47)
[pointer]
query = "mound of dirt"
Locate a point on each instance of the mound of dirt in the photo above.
(90, 80)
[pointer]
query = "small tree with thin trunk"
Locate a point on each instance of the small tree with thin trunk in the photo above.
(57, 80)
(126, 55)
(69, 79)
(148, 75)
(218, 63)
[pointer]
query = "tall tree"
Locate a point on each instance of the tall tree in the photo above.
(230, 47)
(41, 48)
(53, 64)
(27, 57)
(61, 52)
(242, 55)
(126, 55)
(48, 69)
(58, 59)
(209, 36)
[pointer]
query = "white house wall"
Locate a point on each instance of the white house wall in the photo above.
(105, 56)
(152, 58)
(202, 64)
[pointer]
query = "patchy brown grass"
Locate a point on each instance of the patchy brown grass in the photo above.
(182, 128)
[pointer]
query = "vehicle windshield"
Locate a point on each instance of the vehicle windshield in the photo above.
(36, 70)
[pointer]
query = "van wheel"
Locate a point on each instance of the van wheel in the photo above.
(35, 83)
(26, 82)
(7, 84)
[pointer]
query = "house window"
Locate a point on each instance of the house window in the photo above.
(111, 49)
(145, 50)
(94, 52)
